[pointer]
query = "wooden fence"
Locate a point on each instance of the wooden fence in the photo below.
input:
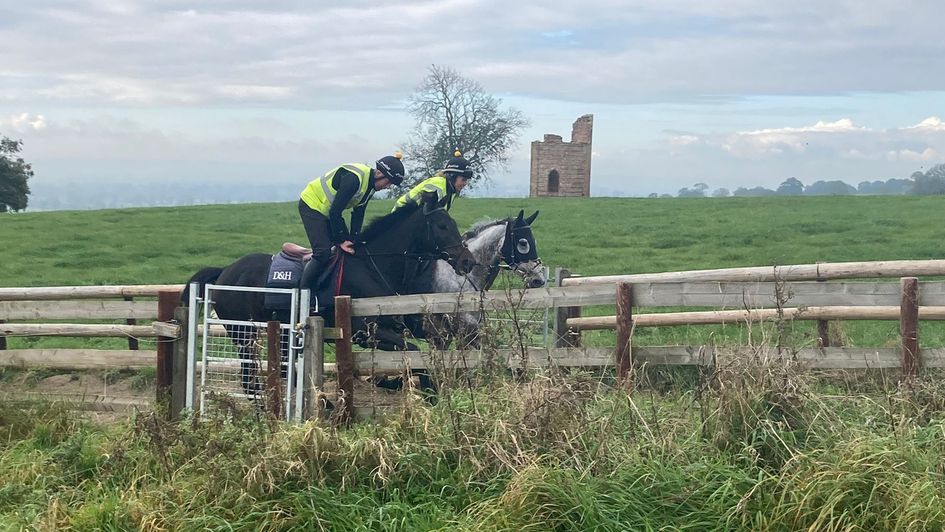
(129, 305)
(745, 295)
(738, 295)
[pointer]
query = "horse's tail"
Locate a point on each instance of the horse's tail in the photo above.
(204, 276)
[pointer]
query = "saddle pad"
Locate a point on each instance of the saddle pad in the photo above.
(284, 272)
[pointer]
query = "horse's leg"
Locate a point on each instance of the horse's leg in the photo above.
(388, 339)
(438, 331)
(283, 317)
(249, 365)
(249, 369)
(467, 331)
(253, 364)
(416, 324)
(383, 334)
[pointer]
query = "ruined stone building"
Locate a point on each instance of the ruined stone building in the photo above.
(563, 168)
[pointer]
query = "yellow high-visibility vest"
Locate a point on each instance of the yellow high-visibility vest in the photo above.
(320, 193)
(435, 184)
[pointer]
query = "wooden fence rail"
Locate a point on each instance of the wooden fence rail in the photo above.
(100, 330)
(368, 363)
(77, 358)
(796, 272)
(719, 317)
(85, 292)
(735, 294)
(92, 310)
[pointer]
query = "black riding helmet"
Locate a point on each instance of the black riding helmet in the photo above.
(392, 168)
(458, 166)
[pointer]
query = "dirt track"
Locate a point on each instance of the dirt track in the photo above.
(112, 397)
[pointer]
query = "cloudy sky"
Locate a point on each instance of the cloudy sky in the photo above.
(727, 92)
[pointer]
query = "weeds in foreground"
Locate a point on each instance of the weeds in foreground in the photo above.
(751, 446)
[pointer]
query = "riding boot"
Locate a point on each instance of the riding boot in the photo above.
(310, 275)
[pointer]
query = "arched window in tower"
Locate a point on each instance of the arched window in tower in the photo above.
(553, 182)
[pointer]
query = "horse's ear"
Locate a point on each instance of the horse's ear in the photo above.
(521, 214)
(530, 219)
(429, 205)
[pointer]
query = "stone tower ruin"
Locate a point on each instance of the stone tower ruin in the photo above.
(563, 168)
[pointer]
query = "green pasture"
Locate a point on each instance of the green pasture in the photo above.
(590, 236)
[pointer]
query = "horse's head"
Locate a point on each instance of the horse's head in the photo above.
(520, 251)
(444, 238)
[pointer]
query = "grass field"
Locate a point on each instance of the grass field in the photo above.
(749, 447)
(589, 236)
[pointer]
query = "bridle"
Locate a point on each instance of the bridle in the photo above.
(510, 257)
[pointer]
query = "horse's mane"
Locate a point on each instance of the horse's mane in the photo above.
(380, 225)
(481, 226)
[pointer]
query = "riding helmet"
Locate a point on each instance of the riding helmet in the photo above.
(392, 167)
(459, 166)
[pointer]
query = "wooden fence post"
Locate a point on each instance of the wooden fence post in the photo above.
(179, 364)
(344, 358)
(132, 342)
(823, 333)
(563, 336)
(167, 303)
(274, 369)
(3, 339)
(314, 355)
(624, 360)
(909, 325)
(823, 326)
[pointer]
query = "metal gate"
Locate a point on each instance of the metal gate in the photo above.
(232, 355)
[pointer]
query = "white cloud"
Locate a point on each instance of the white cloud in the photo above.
(928, 154)
(932, 123)
(312, 54)
(684, 140)
(23, 122)
(780, 140)
(78, 88)
(108, 61)
(841, 138)
(255, 92)
(107, 137)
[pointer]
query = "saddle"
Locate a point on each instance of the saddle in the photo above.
(297, 252)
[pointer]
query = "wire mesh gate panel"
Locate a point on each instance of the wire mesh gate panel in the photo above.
(233, 355)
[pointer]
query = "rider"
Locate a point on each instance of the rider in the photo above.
(349, 186)
(441, 188)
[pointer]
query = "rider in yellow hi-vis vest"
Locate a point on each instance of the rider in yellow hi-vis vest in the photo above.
(447, 183)
(349, 186)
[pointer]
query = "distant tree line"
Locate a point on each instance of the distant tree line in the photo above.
(926, 183)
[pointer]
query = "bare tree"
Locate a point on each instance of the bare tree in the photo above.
(454, 112)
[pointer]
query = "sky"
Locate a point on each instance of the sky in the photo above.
(725, 92)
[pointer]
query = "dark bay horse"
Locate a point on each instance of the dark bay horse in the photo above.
(377, 268)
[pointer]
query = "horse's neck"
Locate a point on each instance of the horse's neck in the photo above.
(401, 238)
(486, 248)
(386, 252)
